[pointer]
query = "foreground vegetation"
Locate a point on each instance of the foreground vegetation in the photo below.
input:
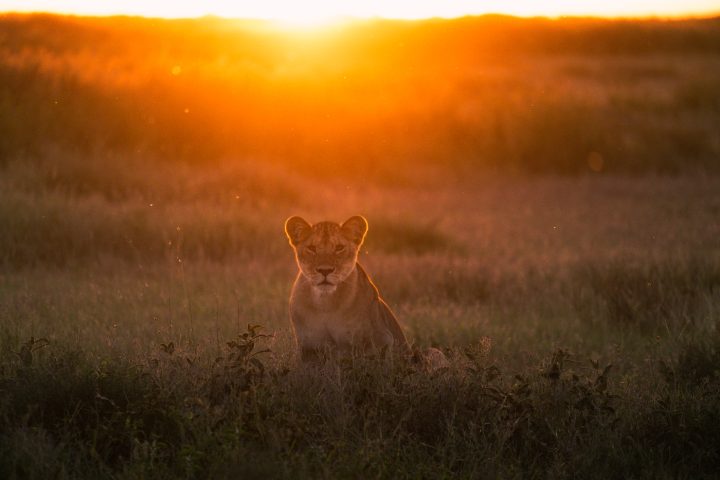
(179, 416)
(546, 214)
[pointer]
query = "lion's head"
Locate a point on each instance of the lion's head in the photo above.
(326, 252)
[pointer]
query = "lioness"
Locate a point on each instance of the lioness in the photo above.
(334, 305)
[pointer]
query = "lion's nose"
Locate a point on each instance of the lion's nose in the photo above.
(325, 270)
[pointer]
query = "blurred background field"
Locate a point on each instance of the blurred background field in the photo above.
(531, 186)
(370, 97)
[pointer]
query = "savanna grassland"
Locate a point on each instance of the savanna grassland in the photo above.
(543, 200)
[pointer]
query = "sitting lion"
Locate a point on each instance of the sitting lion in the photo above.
(333, 304)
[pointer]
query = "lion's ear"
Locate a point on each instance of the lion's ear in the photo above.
(355, 229)
(297, 230)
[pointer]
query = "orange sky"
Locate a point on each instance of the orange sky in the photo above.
(310, 11)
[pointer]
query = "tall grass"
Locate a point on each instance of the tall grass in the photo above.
(123, 352)
(144, 184)
(181, 416)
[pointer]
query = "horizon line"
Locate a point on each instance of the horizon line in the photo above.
(358, 18)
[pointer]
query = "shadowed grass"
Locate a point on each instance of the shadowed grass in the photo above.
(183, 414)
(650, 297)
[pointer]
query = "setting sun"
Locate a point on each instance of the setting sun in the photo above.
(321, 11)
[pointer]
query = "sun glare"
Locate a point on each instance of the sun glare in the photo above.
(304, 20)
(308, 13)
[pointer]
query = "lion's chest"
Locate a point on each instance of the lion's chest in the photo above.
(317, 329)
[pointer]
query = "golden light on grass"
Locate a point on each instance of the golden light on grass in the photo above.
(317, 12)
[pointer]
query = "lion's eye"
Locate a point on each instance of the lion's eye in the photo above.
(339, 248)
(311, 249)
